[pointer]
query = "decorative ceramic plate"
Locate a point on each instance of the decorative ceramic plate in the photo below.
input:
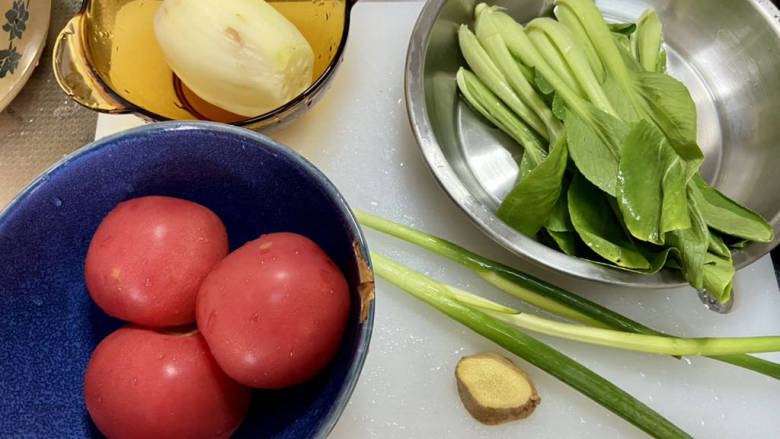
(23, 29)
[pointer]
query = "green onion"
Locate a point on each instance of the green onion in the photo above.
(653, 344)
(535, 352)
(538, 292)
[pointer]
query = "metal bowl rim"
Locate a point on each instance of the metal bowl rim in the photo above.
(528, 249)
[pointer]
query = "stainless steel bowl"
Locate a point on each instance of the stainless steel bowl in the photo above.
(727, 53)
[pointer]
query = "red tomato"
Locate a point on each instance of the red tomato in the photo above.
(273, 312)
(149, 256)
(150, 384)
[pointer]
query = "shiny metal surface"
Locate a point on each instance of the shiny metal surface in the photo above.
(726, 52)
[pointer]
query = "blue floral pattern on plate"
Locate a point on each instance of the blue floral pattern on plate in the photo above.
(16, 24)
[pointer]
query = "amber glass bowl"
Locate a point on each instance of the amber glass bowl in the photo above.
(107, 59)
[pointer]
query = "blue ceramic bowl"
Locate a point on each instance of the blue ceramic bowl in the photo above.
(49, 326)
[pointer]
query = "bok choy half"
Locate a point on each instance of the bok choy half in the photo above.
(610, 169)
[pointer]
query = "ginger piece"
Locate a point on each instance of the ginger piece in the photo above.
(494, 390)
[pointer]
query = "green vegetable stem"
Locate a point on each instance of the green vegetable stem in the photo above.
(494, 79)
(624, 182)
(532, 350)
(491, 108)
(540, 293)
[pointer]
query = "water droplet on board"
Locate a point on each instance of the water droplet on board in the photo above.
(56, 201)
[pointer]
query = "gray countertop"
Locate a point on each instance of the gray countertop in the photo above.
(41, 124)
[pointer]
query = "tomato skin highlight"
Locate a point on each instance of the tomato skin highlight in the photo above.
(274, 311)
(148, 257)
(147, 383)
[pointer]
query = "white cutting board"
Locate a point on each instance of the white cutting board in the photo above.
(359, 135)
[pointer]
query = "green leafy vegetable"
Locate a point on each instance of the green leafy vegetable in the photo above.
(594, 145)
(488, 72)
(726, 216)
(692, 244)
(565, 240)
(572, 59)
(558, 225)
(669, 105)
(623, 43)
(528, 205)
(489, 106)
(570, 20)
(647, 42)
(717, 246)
(494, 45)
(718, 272)
(521, 47)
(625, 111)
(598, 130)
(555, 60)
(622, 28)
(594, 222)
(601, 38)
(655, 96)
(635, 199)
(651, 185)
